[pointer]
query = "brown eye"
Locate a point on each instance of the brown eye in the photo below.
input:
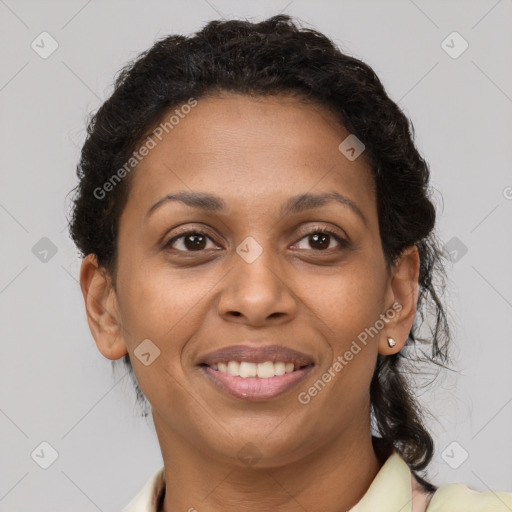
(321, 239)
(193, 241)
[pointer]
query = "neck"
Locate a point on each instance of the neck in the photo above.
(331, 479)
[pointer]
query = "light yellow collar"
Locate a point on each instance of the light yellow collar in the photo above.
(390, 490)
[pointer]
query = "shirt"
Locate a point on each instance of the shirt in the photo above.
(390, 491)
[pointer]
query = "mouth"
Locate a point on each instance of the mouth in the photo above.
(256, 373)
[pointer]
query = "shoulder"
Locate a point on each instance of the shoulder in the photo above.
(461, 498)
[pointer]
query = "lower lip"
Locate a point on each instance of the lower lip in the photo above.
(253, 388)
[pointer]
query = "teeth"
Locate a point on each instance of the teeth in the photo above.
(265, 370)
(246, 370)
(233, 368)
(279, 368)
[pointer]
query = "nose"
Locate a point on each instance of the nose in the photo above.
(257, 292)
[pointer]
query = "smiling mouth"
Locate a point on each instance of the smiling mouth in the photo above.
(247, 369)
(255, 381)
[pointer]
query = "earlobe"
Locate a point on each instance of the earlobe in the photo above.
(403, 291)
(101, 309)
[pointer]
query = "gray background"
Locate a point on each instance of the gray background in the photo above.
(55, 385)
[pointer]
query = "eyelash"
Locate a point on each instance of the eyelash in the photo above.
(315, 230)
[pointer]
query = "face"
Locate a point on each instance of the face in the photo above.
(257, 266)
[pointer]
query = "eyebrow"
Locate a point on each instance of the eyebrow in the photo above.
(295, 204)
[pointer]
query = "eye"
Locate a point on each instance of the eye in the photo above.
(194, 240)
(322, 238)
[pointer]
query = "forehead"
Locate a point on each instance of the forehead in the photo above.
(258, 149)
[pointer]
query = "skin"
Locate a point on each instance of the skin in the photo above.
(254, 153)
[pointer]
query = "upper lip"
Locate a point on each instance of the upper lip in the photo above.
(258, 354)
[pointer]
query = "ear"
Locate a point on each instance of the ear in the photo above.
(401, 298)
(102, 309)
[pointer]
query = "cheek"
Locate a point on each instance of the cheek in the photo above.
(159, 305)
(168, 309)
(161, 308)
(353, 300)
(351, 307)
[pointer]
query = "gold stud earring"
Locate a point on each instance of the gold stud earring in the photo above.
(391, 342)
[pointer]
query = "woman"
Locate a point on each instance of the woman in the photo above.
(259, 249)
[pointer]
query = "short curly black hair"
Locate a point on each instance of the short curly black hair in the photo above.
(274, 57)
